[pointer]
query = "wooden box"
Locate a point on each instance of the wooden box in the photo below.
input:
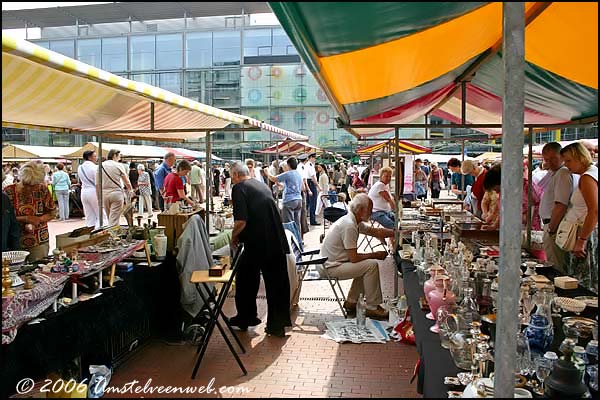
(173, 224)
(565, 282)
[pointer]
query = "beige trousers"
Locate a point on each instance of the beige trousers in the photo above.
(113, 203)
(365, 275)
(555, 256)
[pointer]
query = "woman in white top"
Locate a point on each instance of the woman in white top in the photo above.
(582, 262)
(324, 186)
(86, 173)
(114, 175)
(145, 191)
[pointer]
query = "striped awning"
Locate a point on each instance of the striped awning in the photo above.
(45, 90)
(288, 147)
(404, 146)
(393, 62)
(14, 151)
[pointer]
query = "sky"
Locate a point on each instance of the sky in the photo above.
(34, 33)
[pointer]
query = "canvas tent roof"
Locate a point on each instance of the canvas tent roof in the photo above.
(393, 62)
(19, 151)
(45, 90)
(127, 150)
(403, 145)
(288, 147)
(190, 154)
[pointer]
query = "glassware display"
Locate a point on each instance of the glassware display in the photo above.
(543, 368)
(527, 302)
(439, 297)
(485, 300)
(447, 323)
(468, 308)
(429, 285)
(524, 362)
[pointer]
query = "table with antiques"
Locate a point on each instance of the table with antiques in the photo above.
(455, 333)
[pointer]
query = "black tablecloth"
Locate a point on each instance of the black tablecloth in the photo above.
(147, 295)
(436, 362)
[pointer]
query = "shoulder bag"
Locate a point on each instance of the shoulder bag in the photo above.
(566, 234)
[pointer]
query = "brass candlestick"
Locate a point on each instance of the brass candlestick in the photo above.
(6, 279)
(28, 282)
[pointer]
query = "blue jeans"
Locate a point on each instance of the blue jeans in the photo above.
(385, 218)
(63, 203)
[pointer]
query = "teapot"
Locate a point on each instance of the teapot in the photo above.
(429, 285)
(442, 295)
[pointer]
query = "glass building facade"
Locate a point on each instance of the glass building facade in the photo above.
(254, 71)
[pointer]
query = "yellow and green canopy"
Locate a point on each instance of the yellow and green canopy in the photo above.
(392, 62)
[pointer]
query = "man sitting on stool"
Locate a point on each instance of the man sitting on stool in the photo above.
(344, 261)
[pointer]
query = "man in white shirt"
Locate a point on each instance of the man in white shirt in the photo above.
(555, 200)
(313, 186)
(383, 202)
(344, 261)
(196, 182)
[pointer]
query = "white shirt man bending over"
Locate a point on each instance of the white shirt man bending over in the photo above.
(345, 262)
(555, 200)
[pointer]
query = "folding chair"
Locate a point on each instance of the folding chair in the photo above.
(306, 259)
(371, 239)
(202, 279)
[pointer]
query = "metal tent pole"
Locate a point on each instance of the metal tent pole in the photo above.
(462, 177)
(529, 189)
(513, 56)
(398, 201)
(209, 180)
(99, 191)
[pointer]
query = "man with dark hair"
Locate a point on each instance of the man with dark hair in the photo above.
(258, 225)
(554, 202)
(456, 181)
(164, 169)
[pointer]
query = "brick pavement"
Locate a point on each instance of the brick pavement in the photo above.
(303, 364)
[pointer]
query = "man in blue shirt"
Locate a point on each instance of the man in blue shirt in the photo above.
(292, 191)
(456, 181)
(160, 174)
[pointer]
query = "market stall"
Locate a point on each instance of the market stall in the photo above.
(469, 82)
(19, 152)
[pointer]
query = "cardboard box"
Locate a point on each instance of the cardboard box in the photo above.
(565, 282)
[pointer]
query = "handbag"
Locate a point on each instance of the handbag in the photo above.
(404, 329)
(566, 234)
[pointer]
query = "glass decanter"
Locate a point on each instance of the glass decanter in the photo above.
(468, 307)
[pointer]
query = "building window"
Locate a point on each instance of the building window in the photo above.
(143, 53)
(257, 42)
(199, 86)
(282, 45)
(89, 51)
(169, 51)
(149, 79)
(198, 49)
(114, 54)
(170, 81)
(64, 47)
(226, 48)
